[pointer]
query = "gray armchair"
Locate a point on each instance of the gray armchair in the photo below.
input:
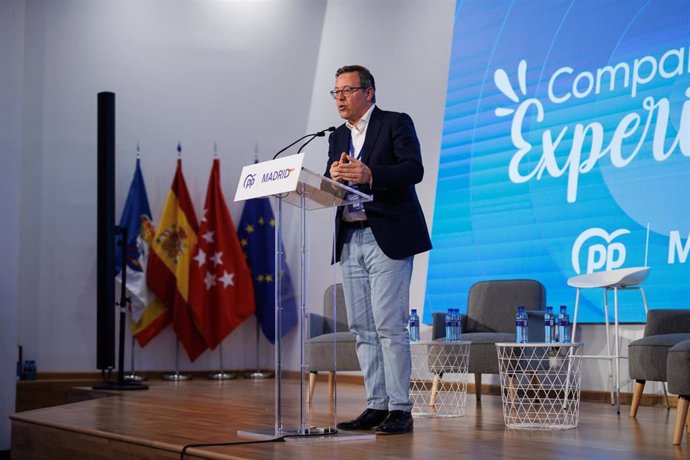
(331, 346)
(647, 356)
(490, 318)
(678, 372)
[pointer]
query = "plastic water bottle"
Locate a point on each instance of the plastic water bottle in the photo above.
(449, 326)
(563, 325)
(521, 325)
(457, 327)
(549, 326)
(414, 326)
(29, 369)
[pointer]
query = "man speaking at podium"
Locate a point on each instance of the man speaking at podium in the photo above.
(378, 153)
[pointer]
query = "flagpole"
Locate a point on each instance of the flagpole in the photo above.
(133, 376)
(176, 376)
(258, 373)
(221, 374)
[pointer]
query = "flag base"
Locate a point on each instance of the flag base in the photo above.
(176, 377)
(222, 376)
(259, 374)
(134, 377)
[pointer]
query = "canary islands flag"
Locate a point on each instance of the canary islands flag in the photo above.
(148, 313)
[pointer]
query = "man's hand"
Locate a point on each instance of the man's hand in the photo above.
(335, 172)
(350, 169)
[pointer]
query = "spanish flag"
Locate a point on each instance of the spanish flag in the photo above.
(169, 263)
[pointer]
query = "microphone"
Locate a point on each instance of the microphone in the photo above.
(312, 136)
(330, 129)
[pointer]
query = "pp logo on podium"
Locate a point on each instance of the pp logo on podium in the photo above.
(602, 251)
(249, 181)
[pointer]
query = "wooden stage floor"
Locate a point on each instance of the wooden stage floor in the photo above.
(157, 423)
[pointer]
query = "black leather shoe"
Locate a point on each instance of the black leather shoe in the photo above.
(367, 420)
(397, 422)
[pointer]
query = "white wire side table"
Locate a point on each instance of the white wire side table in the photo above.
(438, 384)
(540, 384)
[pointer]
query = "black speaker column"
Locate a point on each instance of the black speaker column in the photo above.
(105, 253)
(105, 284)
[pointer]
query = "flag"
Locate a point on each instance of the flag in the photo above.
(257, 237)
(170, 260)
(148, 313)
(220, 286)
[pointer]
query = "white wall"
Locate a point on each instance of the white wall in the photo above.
(232, 73)
(237, 73)
(11, 49)
(408, 51)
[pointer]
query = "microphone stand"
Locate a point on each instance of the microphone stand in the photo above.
(122, 383)
(305, 144)
(311, 136)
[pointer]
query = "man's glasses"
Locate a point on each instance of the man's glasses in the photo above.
(347, 92)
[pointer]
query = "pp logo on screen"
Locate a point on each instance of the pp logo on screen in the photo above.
(602, 251)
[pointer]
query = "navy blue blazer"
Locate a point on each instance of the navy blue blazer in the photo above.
(391, 150)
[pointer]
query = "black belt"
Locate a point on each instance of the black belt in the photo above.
(358, 224)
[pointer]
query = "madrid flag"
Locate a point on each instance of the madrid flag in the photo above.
(220, 287)
(170, 260)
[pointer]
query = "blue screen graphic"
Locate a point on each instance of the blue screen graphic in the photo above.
(566, 137)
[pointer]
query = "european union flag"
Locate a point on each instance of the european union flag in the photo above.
(257, 236)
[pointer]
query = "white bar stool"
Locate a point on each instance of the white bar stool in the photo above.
(620, 279)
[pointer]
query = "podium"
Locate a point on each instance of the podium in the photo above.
(290, 183)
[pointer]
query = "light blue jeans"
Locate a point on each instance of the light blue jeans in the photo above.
(377, 292)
